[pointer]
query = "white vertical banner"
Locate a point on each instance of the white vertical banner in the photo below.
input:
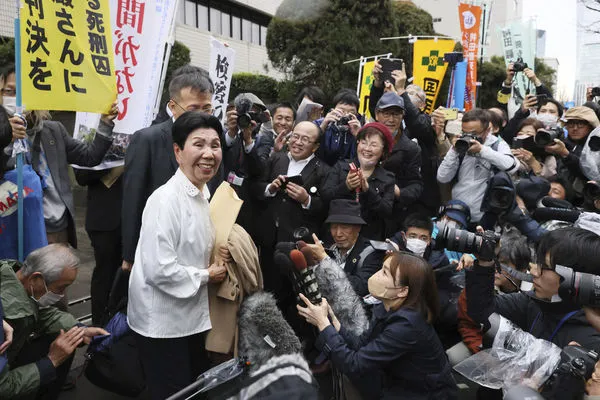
(222, 62)
(141, 29)
(518, 42)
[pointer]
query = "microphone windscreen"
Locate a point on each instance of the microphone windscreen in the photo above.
(298, 259)
(308, 255)
(560, 214)
(263, 332)
(557, 203)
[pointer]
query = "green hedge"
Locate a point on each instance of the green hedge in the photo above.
(269, 90)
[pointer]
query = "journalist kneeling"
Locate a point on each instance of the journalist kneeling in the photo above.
(168, 296)
(401, 342)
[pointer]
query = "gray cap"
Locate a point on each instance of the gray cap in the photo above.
(253, 99)
(389, 100)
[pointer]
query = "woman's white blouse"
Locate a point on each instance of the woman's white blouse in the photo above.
(168, 295)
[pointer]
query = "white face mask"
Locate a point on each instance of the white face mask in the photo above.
(48, 299)
(416, 246)
(549, 120)
(9, 104)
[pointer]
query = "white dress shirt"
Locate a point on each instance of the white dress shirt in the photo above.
(168, 295)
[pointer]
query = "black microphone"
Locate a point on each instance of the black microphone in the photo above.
(305, 277)
(548, 201)
(551, 213)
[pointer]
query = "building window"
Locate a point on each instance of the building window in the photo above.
(215, 21)
(226, 24)
(190, 14)
(263, 35)
(437, 20)
(202, 18)
(255, 33)
(246, 30)
(236, 28)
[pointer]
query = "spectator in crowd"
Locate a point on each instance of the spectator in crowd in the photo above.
(150, 161)
(103, 226)
(580, 123)
(312, 93)
(509, 96)
(44, 338)
(34, 228)
(351, 251)
(498, 120)
(514, 254)
(472, 170)
(370, 184)
(542, 312)
(275, 139)
(533, 158)
(559, 188)
(246, 154)
(401, 112)
(169, 279)
(340, 127)
(401, 342)
(52, 150)
(286, 204)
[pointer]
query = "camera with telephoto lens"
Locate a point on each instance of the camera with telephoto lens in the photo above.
(519, 65)
(580, 288)
(595, 91)
(343, 124)
(462, 241)
(545, 137)
(464, 142)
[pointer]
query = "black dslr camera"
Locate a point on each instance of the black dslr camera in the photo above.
(591, 190)
(343, 124)
(595, 91)
(545, 137)
(464, 241)
(568, 380)
(519, 65)
(464, 142)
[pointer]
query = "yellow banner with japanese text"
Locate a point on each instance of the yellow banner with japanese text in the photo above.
(67, 55)
(429, 67)
(365, 88)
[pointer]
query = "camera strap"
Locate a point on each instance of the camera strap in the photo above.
(560, 323)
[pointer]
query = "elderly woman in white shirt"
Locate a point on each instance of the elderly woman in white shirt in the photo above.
(168, 294)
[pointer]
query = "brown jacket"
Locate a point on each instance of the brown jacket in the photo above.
(244, 277)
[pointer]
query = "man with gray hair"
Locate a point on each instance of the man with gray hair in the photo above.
(150, 160)
(44, 338)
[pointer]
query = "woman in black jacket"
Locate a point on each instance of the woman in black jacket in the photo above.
(371, 184)
(401, 343)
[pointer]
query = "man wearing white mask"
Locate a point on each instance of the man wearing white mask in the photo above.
(44, 338)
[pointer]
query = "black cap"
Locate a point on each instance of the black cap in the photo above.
(342, 211)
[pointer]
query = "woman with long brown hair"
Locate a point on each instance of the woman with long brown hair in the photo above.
(401, 343)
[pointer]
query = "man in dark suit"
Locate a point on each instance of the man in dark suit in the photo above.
(288, 205)
(351, 251)
(103, 226)
(150, 160)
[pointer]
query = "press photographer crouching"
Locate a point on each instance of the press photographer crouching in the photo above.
(552, 310)
(401, 342)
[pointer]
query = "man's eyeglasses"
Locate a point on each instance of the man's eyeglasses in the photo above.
(576, 123)
(208, 109)
(8, 92)
(302, 139)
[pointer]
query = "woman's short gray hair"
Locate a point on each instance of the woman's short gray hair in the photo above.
(50, 261)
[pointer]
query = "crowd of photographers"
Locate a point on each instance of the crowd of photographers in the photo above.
(438, 221)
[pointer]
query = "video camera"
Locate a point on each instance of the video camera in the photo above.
(595, 91)
(245, 115)
(519, 65)
(464, 142)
